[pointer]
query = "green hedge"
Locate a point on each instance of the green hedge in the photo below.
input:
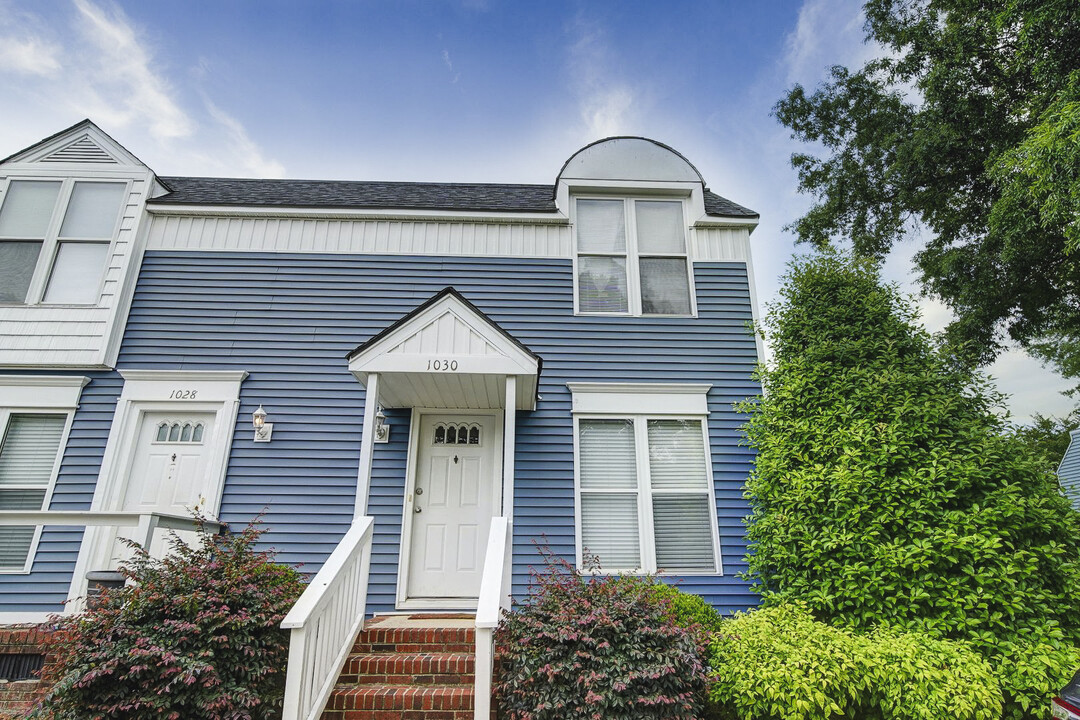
(779, 663)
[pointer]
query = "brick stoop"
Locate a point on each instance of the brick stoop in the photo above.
(17, 698)
(417, 667)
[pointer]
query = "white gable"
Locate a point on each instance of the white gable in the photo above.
(82, 146)
(447, 334)
(447, 354)
(82, 150)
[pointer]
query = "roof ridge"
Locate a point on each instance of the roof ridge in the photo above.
(373, 182)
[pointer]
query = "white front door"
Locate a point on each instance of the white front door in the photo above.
(168, 473)
(453, 500)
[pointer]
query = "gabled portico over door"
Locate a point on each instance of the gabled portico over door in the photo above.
(456, 369)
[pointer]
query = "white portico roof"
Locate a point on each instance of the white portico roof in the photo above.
(447, 353)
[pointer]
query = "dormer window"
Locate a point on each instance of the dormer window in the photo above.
(54, 239)
(632, 257)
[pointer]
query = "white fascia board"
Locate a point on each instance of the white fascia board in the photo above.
(523, 218)
(41, 391)
(728, 222)
(639, 398)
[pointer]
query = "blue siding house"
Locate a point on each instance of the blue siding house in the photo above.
(393, 374)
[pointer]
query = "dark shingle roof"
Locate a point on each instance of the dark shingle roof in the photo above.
(396, 195)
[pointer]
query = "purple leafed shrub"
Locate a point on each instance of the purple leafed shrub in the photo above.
(596, 648)
(195, 637)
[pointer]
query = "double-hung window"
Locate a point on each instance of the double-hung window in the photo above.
(55, 237)
(35, 417)
(29, 454)
(644, 491)
(632, 257)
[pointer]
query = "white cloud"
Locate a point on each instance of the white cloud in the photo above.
(251, 159)
(102, 66)
(607, 104)
(829, 32)
(450, 66)
(29, 55)
(125, 79)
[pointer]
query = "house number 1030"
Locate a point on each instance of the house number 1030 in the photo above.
(442, 365)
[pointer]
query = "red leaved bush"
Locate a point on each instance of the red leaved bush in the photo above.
(596, 648)
(196, 636)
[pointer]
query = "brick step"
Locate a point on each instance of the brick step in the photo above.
(409, 669)
(399, 702)
(411, 640)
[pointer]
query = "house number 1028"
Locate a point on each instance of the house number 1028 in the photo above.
(182, 394)
(442, 365)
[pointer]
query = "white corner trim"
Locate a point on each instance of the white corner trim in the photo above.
(59, 392)
(640, 398)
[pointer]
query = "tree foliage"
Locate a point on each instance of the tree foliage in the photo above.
(969, 129)
(779, 662)
(886, 489)
(193, 636)
(1048, 436)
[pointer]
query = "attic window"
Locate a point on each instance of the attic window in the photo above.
(54, 239)
(632, 257)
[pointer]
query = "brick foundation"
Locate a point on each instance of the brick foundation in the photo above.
(16, 698)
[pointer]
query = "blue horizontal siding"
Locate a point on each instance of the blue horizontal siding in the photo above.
(46, 587)
(290, 319)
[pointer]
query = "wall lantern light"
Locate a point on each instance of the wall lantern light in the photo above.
(263, 429)
(382, 430)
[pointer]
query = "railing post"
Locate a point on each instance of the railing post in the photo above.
(144, 533)
(485, 669)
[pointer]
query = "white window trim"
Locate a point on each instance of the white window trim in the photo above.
(146, 391)
(40, 395)
(624, 401)
(633, 268)
(50, 244)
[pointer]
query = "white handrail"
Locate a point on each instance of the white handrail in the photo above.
(494, 596)
(145, 523)
(324, 623)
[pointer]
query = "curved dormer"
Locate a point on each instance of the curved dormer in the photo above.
(634, 205)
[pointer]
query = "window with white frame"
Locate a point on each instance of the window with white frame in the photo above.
(55, 237)
(29, 455)
(632, 257)
(645, 500)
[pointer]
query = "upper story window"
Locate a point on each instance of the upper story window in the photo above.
(632, 257)
(54, 239)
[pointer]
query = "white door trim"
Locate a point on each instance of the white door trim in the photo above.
(147, 391)
(403, 601)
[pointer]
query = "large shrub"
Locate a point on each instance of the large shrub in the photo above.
(194, 637)
(779, 663)
(689, 610)
(886, 490)
(596, 648)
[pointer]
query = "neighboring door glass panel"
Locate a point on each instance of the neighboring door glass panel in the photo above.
(93, 210)
(601, 226)
(665, 286)
(17, 263)
(28, 208)
(27, 456)
(76, 274)
(660, 227)
(602, 284)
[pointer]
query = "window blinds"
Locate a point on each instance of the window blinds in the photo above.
(27, 457)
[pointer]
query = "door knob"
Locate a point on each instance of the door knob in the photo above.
(419, 491)
(417, 509)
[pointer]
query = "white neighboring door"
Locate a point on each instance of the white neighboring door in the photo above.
(168, 474)
(453, 502)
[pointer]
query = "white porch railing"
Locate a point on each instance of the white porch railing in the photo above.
(145, 523)
(494, 597)
(324, 623)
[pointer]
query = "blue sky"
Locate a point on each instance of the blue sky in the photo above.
(469, 90)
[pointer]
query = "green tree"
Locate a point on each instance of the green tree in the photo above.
(886, 490)
(967, 130)
(1048, 436)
